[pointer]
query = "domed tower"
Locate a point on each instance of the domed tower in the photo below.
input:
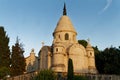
(91, 58)
(64, 36)
(64, 31)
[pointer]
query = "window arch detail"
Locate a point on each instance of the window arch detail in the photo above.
(90, 54)
(66, 36)
(56, 49)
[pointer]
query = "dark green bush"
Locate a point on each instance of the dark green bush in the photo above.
(45, 75)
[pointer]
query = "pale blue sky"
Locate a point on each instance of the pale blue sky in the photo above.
(35, 20)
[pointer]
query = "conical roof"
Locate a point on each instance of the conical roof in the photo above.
(64, 24)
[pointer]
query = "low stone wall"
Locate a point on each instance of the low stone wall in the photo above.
(103, 77)
(28, 76)
(89, 77)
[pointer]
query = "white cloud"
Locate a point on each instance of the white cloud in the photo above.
(106, 7)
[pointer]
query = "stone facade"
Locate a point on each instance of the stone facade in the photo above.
(45, 58)
(65, 46)
(31, 62)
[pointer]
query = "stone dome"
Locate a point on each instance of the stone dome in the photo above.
(64, 24)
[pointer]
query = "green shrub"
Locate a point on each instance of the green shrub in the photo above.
(45, 75)
(4, 71)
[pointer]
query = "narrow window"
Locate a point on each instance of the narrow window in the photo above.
(56, 49)
(59, 36)
(66, 36)
(90, 54)
(73, 37)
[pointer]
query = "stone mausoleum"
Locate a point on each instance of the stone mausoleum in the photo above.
(65, 46)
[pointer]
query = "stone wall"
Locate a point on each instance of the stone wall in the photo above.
(31, 62)
(89, 77)
(28, 76)
(103, 77)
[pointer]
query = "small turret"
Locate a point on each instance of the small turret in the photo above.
(91, 58)
(58, 58)
(32, 53)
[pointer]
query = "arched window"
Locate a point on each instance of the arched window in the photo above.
(56, 49)
(73, 37)
(59, 36)
(66, 36)
(90, 54)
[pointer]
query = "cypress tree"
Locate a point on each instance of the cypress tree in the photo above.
(18, 60)
(4, 51)
(70, 74)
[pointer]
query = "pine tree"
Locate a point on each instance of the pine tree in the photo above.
(18, 60)
(4, 50)
(70, 74)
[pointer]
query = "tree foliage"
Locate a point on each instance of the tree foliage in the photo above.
(4, 72)
(83, 42)
(17, 59)
(108, 61)
(4, 50)
(70, 74)
(96, 50)
(45, 75)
